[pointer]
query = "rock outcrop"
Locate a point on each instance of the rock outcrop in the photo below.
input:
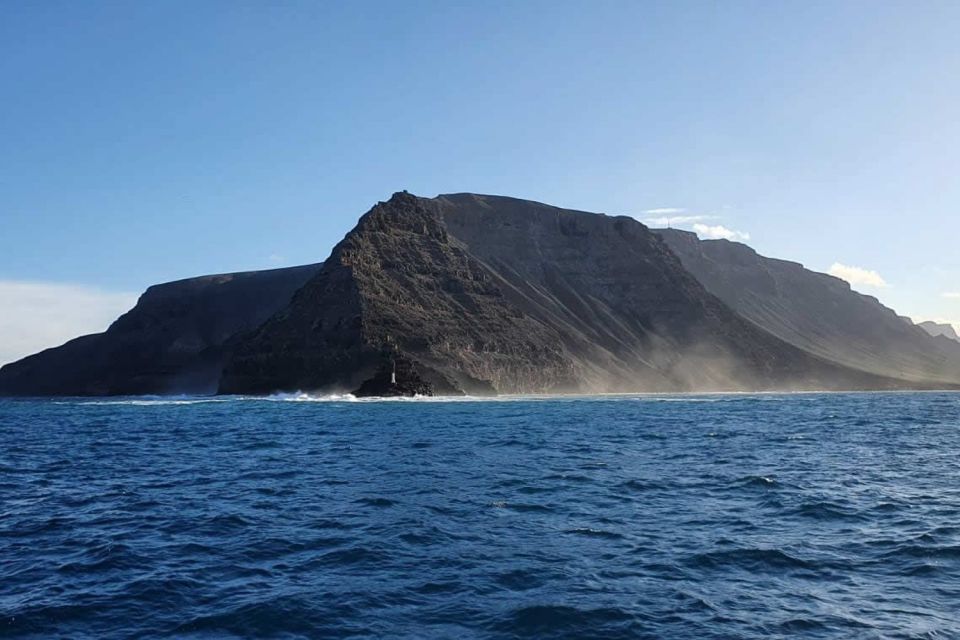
(939, 329)
(816, 312)
(171, 342)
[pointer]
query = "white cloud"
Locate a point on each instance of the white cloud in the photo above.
(663, 210)
(719, 231)
(675, 220)
(694, 221)
(38, 315)
(950, 294)
(857, 275)
(276, 258)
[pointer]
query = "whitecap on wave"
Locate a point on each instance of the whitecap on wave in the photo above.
(149, 401)
(301, 396)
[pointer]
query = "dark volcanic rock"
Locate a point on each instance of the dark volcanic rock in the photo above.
(400, 279)
(170, 342)
(399, 376)
(483, 292)
(816, 312)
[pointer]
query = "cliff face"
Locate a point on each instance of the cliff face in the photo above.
(170, 342)
(480, 293)
(816, 312)
(400, 285)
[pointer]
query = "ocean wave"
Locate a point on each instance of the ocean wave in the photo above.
(302, 396)
(548, 621)
(748, 558)
(150, 401)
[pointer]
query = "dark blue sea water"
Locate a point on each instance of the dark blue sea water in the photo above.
(811, 516)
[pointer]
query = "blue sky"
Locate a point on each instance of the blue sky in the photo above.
(145, 142)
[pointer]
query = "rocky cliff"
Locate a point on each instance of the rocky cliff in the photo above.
(170, 342)
(490, 294)
(815, 312)
(465, 293)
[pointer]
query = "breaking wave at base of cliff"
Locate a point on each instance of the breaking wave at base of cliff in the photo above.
(300, 396)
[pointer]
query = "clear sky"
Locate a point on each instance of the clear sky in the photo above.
(142, 142)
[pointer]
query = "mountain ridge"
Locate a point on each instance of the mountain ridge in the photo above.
(469, 288)
(169, 342)
(941, 329)
(460, 293)
(815, 311)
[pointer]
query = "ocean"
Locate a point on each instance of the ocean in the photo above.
(702, 516)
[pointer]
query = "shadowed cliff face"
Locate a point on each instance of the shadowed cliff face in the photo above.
(815, 311)
(170, 342)
(483, 293)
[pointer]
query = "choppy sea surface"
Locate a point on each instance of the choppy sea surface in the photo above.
(715, 516)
